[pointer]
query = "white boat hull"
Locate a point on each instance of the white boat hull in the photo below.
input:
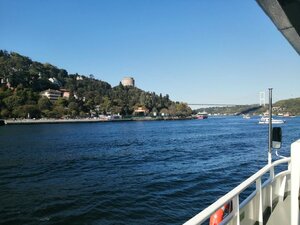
(265, 120)
(273, 122)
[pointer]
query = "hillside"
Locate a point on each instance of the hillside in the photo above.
(22, 81)
(291, 106)
(230, 110)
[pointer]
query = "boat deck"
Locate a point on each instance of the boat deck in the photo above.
(281, 213)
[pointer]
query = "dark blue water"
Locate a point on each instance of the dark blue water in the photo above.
(160, 172)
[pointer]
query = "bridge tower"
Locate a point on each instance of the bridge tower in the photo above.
(262, 98)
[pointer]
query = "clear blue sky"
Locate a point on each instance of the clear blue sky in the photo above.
(196, 51)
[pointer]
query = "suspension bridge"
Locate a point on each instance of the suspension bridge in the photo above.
(262, 102)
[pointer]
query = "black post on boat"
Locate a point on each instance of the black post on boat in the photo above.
(270, 127)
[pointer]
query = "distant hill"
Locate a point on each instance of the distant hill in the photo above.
(22, 81)
(231, 110)
(291, 106)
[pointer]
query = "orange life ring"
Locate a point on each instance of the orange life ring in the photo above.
(218, 216)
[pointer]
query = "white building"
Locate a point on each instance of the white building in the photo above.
(51, 94)
(3, 80)
(53, 80)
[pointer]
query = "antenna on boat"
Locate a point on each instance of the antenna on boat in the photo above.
(270, 127)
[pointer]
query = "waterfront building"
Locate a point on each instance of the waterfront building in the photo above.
(141, 111)
(51, 94)
(127, 81)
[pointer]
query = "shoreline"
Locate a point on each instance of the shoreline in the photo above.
(88, 120)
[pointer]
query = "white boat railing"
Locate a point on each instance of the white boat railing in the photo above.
(295, 181)
(234, 195)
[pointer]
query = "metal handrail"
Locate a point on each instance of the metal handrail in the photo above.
(233, 195)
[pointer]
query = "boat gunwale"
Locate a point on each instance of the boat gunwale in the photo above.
(207, 212)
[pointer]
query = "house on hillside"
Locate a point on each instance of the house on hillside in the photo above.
(51, 94)
(79, 78)
(5, 82)
(53, 80)
(65, 93)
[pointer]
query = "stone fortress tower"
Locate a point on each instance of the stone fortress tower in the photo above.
(128, 81)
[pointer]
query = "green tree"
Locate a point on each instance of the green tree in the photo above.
(73, 109)
(12, 102)
(31, 111)
(5, 113)
(58, 111)
(106, 105)
(44, 104)
(61, 102)
(183, 110)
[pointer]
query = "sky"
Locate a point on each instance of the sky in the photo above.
(196, 51)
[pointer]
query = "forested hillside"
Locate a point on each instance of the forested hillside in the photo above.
(22, 81)
(291, 106)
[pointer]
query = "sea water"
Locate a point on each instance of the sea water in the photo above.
(161, 172)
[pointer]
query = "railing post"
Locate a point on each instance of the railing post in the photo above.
(271, 187)
(260, 210)
(236, 208)
(295, 178)
(281, 191)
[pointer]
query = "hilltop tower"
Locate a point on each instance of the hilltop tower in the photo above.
(128, 81)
